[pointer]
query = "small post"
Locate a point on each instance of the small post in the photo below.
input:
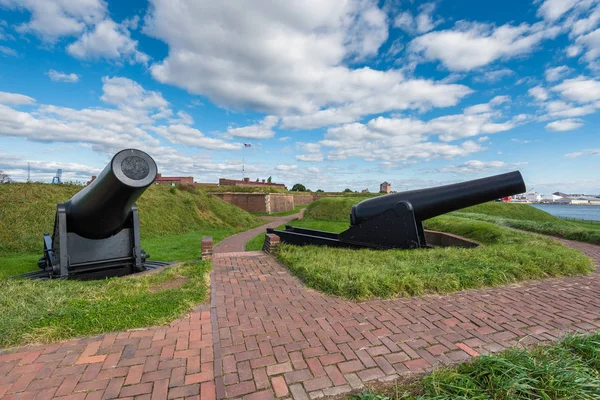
(207, 248)
(271, 244)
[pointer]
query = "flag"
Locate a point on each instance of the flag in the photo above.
(247, 145)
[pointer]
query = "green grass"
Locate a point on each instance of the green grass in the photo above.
(47, 311)
(567, 370)
(332, 209)
(512, 215)
(508, 256)
(296, 210)
(28, 211)
(173, 222)
(561, 228)
(256, 243)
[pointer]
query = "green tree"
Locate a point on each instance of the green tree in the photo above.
(4, 177)
(269, 180)
(320, 191)
(347, 190)
(298, 187)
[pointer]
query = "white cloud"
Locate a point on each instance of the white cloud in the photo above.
(105, 129)
(393, 139)
(580, 89)
(552, 10)
(564, 125)
(7, 161)
(312, 152)
(107, 40)
(262, 130)
(188, 136)
(582, 153)
(494, 76)
(15, 99)
(183, 118)
(421, 23)
(7, 51)
(556, 73)
(287, 59)
(125, 93)
(561, 109)
(58, 76)
(51, 20)
(539, 93)
(473, 45)
(474, 167)
(286, 167)
(590, 45)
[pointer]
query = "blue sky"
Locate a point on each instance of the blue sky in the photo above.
(330, 93)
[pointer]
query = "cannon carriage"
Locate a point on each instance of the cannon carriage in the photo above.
(395, 221)
(97, 232)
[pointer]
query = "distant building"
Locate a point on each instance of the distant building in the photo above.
(365, 191)
(173, 180)
(385, 187)
(533, 197)
(248, 183)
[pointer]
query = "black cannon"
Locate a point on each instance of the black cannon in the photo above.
(97, 233)
(395, 221)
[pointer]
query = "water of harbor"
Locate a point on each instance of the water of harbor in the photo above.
(571, 211)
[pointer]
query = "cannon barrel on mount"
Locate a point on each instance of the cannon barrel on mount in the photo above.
(97, 232)
(395, 220)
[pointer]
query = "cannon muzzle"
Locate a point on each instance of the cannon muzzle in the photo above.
(429, 203)
(101, 209)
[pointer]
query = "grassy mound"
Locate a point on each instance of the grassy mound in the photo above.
(47, 311)
(28, 211)
(567, 370)
(508, 256)
(332, 209)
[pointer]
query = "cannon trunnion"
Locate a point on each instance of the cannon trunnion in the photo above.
(97, 232)
(395, 221)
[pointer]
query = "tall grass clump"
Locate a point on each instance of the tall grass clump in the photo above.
(567, 370)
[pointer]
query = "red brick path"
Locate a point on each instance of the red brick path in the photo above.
(266, 335)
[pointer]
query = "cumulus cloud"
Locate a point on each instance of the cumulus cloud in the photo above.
(15, 99)
(580, 89)
(287, 59)
(262, 130)
(552, 10)
(107, 40)
(58, 76)
(51, 20)
(539, 93)
(556, 73)
(312, 152)
(393, 139)
(472, 45)
(564, 125)
(421, 23)
(103, 129)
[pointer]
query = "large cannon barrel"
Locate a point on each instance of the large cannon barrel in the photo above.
(102, 208)
(428, 203)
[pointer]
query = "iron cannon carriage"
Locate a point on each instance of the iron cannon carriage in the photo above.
(97, 232)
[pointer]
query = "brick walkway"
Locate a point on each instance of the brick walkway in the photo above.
(265, 335)
(237, 243)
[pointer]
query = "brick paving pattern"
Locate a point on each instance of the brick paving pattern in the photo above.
(264, 335)
(237, 243)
